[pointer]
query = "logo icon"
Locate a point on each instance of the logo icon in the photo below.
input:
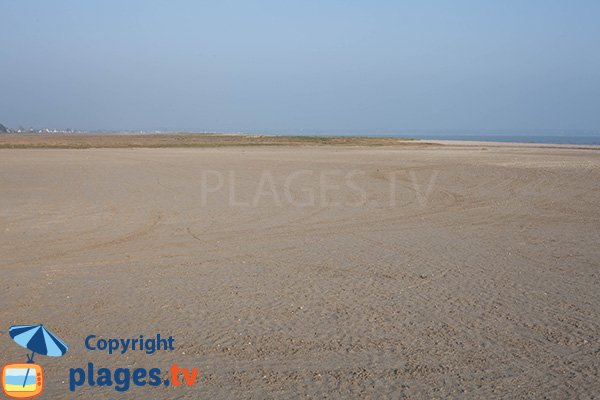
(26, 380)
(22, 381)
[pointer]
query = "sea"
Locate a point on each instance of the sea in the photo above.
(546, 139)
(552, 137)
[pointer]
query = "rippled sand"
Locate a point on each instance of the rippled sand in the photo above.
(293, 272)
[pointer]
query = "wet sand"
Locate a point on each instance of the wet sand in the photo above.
(464, 271)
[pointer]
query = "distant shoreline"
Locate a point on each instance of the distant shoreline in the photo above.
(80, 139)
(88, 141)
(212, 140)
(535, 139)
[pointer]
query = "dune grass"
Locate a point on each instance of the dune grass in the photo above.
(89, 141)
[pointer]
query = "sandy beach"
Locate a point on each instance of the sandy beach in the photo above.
(306, 271)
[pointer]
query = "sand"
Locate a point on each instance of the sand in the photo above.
(311, 272)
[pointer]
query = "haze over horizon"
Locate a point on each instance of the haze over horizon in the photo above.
(314, 67)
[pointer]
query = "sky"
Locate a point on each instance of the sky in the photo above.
(306, 66)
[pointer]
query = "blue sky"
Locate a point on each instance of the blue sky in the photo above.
(301, 66)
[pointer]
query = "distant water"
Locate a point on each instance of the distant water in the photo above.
(589, 140)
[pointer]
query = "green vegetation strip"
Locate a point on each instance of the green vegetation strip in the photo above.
(84, 141)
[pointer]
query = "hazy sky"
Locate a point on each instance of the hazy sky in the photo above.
(301, 66)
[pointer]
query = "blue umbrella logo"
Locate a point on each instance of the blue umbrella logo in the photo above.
(39, 340)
